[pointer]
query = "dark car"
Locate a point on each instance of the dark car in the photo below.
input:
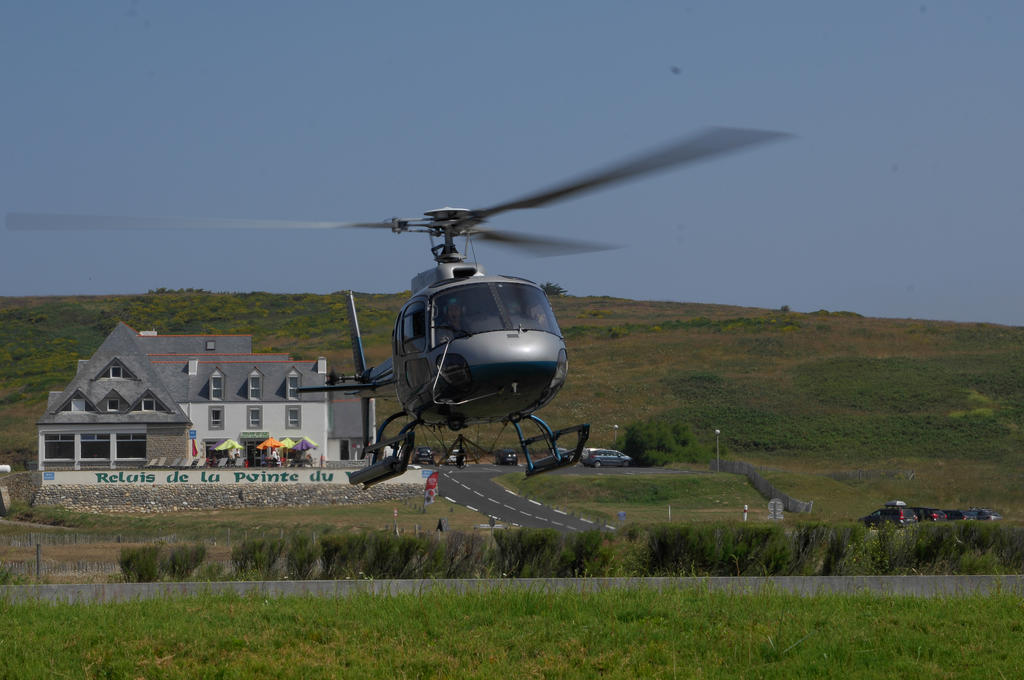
(929, 514)
(894, 511)
(506, 457)
(605, 457)
(985, 514)
(954, 515)
(424, 456)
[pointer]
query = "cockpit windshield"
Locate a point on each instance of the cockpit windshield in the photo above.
(482, 307)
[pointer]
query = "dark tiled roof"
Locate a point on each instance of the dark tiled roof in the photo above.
(158, 367)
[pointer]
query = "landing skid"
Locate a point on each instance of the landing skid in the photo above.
(388, 458)
(554, 456)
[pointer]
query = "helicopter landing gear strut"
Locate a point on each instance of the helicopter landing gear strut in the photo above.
(388, 457)
(556, 456)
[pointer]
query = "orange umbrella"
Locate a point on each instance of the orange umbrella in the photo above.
(270, 443)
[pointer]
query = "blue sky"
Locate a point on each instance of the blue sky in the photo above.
(899, 196)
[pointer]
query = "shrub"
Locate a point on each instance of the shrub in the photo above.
(182, 560)
(141, 564)
(658, 442)
(257, 556)
(585, 554)
(303, 555)
(528, 553)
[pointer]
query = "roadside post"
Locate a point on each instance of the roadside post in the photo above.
(745, 512)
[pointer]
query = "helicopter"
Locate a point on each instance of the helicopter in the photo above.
(468, 348)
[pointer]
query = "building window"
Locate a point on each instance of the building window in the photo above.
(148, 404)
(255, 417)
(255, 387)
(96, 446)
(78, 405)
(216, 417)
(115, 371)
(131, 445)
(59, 447)
(293, 419)
(113, 405)
(293, 387)
(216, 387)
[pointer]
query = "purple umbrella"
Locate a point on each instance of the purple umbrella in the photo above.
(303, 445)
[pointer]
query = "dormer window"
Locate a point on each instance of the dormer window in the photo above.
(148, 404)
(78, 404)
(255, 386)
(216, 386)
(115, 371)
(113, 405)
(292, 386)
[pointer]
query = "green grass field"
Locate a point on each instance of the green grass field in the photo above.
(621, 634)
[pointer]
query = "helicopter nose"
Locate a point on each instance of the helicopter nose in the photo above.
(519, 366)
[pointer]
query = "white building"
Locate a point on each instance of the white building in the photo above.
(143, 397)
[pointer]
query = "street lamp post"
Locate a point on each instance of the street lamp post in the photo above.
(616, 430)
(718, 458)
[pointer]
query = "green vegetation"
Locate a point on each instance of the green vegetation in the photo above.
(827, 388)
(616, 634)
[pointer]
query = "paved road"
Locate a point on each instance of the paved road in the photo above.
(473, 487)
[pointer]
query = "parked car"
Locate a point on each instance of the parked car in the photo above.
(601, 457)
(506, 457)
(954, 515)
(896, 512)
(424, 455)
(456, 457)
(929, 514)
(987, 515)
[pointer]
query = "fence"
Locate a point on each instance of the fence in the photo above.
(763, 486)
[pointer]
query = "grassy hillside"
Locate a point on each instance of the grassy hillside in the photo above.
(825, 390)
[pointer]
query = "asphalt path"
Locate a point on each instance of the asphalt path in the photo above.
(474, 488)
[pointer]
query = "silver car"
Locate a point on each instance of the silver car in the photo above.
(606, 457)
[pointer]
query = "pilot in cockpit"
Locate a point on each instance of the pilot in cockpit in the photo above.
(450, 322)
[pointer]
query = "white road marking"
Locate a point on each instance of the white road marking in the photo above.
(511, 492)
(533, 501)
(480, 494)
(451, 500)
(560, 512)
(470, 507)
(609, 527)
(582, 519)
(557, 524)
(509, 507)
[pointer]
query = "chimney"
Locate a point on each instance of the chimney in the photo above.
(193, 366)
(321, 365)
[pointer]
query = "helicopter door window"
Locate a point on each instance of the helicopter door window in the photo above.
(414, 328)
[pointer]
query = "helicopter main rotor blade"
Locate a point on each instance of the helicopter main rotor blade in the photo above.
(541, 246)
(52, 221)
(711, 142)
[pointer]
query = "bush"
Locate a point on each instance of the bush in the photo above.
(141, 564)
(182, 560)
(341, 555)
(257, 556)
(303, 555)
(585, 554)
(717, 550)
(659, 442)
(528, 553)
